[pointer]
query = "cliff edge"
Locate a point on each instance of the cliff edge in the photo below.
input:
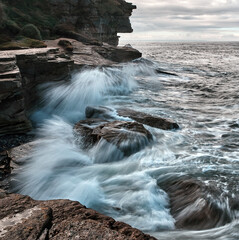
(99, 20)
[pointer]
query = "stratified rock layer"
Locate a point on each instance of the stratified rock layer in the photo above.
(99, 20)
(21, 71)
(24, 218)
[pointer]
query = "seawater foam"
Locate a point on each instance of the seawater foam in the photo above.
(60, 168)
(90, 87)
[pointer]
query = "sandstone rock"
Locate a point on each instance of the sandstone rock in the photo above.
(128, 137)
(147, 119)
(190, 205)
(24, 218)
(21, 153)
(66, 45)
(118, 54)
(21, 72)
(78, 19)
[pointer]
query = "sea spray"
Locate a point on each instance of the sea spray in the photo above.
(60, 167)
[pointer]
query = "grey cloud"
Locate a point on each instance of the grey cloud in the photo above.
(186, 15)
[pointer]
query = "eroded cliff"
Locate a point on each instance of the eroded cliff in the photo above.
(97, 19)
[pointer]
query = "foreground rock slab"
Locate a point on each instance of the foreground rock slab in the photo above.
(24, 218)
(190, 205)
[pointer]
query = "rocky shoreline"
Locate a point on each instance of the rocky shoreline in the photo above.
(91, 30)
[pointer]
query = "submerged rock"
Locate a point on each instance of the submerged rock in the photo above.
(24, 218)
(191, 206)
(128, 137)
(144, 118)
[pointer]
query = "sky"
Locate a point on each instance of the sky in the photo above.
(176, 20)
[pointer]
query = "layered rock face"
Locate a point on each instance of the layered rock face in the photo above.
(96, 19)
(22, 71)
(99, 19)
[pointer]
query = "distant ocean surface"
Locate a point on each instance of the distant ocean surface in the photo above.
(203, 98)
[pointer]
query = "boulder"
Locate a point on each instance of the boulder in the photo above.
(128, 137)
(24, 218)
(118, 54)
(191, 205)
(144, 118)
(147, 119)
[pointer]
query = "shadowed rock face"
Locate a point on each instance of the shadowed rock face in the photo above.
(128, 137)
(190, 205)
(100, 20)
(24, 218)
(5, 168)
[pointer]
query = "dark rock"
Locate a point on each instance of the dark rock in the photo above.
(118, 54)
(5, 168)
(21, 72)
(128, 137)
(147, 119)
(97, 20)
(164, 72)
(191, 206)
(66, 45)
(24, 218)
(98, 112)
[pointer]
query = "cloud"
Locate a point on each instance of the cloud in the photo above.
(185, 20)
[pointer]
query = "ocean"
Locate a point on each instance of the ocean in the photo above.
(201, 94)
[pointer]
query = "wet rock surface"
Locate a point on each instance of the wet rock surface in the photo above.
(5, 168)
(143, 118)
(191, 205)
(24, 218)
(128, 137)
(22, 71)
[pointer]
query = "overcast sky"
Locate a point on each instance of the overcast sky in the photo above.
(215, 20)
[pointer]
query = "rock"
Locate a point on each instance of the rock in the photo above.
(118, 54)
(5, 168)
(160, 71)
(97, 20)
(24, 218)
(8, 142)
(66, 45)
(191, 206)
(99, 112)
(128, 137)
(147, 119)
(21, 72)
(21, 153)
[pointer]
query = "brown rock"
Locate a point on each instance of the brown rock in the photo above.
(190, 205)
(144, 118)
(129, 137)
(66, 45)
(147, 119)
(118, 54)
(24, 218)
